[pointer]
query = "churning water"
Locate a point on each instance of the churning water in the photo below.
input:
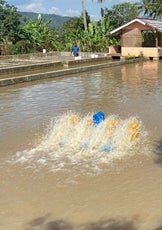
(60, 171)
(75, 140)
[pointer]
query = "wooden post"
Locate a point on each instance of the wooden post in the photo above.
(156, 39)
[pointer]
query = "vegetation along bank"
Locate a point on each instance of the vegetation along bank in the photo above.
(29, 33)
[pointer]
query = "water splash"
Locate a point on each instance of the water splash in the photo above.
(73, 141)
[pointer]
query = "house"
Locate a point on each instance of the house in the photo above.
(139, 37)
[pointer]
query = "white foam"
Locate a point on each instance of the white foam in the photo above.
(72, 140)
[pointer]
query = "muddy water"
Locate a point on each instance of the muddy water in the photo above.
(45, 185)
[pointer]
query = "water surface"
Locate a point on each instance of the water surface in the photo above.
(48, 185)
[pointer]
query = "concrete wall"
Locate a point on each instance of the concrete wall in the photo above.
(65, 71)
(137, 51)
(53, 56)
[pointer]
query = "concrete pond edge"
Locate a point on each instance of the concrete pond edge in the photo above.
(72, 67)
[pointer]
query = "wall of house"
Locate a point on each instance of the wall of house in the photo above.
(131, 38)
(138, 25)
(114, 49)
(141, 51)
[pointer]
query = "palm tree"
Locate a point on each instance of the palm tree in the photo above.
(157, 9)
(84, 15)
(102, 7)
(152, 8)
(102, 16)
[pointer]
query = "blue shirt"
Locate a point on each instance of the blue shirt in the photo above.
(75, 50)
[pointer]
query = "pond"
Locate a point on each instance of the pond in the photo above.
(60, 171)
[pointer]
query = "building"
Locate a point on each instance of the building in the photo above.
(139, 37)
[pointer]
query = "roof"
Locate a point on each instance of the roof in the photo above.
(153, 24)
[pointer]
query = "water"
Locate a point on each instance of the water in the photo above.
(59, 171)
(72, 140)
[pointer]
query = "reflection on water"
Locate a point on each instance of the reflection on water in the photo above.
(58, 171)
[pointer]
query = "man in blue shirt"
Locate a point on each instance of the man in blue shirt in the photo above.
(75, 50)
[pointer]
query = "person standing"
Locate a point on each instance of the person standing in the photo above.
(75, 50)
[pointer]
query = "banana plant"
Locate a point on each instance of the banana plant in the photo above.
(37, 34)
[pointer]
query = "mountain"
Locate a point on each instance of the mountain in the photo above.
(56, 20)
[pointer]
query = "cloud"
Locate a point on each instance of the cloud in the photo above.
(53, 10)
(71, 12)
(39, 7)
(94, 17)
(33, 7)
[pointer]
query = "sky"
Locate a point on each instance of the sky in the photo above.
(64, 7)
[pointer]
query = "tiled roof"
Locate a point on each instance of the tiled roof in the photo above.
(153, 24)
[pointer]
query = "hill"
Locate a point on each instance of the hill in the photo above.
(56, 20)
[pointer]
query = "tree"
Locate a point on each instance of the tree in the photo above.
(73, 31)
(70, 32)
(35, 36)
(9, 22)
(121, 14)
(152, 8)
